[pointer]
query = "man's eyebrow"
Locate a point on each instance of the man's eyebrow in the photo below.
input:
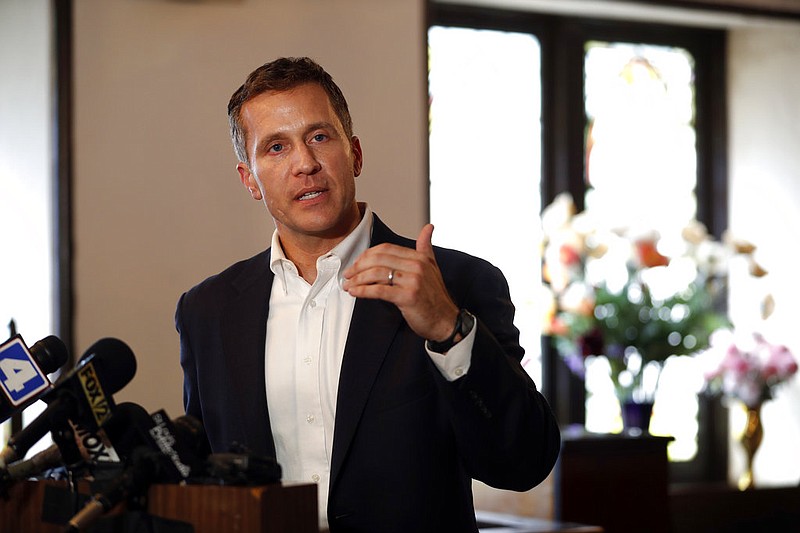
(264, 143)
(321, 126)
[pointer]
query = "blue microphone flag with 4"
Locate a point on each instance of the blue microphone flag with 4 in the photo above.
(21, 379)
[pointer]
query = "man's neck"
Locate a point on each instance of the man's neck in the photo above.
(305, 255)
(304, 250)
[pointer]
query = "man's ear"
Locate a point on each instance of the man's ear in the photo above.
(358, 156)
(248, 180)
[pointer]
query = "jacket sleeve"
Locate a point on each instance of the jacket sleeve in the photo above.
(191, 401)
(506, 432)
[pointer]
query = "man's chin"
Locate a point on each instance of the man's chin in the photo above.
(326, 230)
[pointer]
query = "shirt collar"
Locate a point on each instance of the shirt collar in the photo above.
(347, 251)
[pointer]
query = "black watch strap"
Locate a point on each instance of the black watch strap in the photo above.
(464, 324)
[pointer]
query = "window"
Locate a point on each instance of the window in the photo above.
(31, 53)
(485, 101)
(576, 60)
(641, 174)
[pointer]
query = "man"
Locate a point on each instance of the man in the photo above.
(386, 371)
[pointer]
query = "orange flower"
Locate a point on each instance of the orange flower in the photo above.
(557, 327)
(648, 254)
(568, 255)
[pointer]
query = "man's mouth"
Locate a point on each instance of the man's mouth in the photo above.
(309, 195)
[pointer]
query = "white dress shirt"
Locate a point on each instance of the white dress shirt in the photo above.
(306, 335)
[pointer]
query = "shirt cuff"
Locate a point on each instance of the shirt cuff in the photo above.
(456, 363)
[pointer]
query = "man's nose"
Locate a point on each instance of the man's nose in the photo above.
(305, 160)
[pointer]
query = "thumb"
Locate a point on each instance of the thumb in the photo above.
(424, 245)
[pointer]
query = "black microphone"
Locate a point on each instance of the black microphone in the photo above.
(179, 442)
(158, 451)
(126, 429)
(23, 371)
(84, 396)
(233, 468)
(105, 449)
(134, 480)
(131, 427)
(97, 453)
(51, 353)
(103, 452)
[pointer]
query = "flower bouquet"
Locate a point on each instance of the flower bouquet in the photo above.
(633, 297)
(748, 369)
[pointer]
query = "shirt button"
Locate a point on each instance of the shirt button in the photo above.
(459, 371)
(315, 478)
(307, 359)
(310, 418)
(312, 303)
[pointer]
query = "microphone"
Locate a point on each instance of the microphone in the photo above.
(181, 443)
(157, 450)
(98, 451)
(242, 469)
(23, 371)
(83, 395)
(134, 480)
(43, 461)
(127, 429)
(95, 449)
(133, 428)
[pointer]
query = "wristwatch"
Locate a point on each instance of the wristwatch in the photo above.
(464, 324)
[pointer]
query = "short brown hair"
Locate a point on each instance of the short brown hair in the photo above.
(283, 74)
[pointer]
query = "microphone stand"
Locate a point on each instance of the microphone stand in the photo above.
(16, 418)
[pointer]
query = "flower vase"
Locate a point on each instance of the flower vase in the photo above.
(750, 439)
(636, 416)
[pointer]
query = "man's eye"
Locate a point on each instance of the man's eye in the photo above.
(319, 137)
(275, 148)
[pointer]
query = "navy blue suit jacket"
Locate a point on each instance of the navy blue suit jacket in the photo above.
(406, 442)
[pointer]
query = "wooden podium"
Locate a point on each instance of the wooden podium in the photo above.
(274, 508)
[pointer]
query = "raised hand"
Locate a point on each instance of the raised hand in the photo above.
(411, 280)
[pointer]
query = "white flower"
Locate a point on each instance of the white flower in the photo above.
(695, 232)
(558, 214)
(579, 298)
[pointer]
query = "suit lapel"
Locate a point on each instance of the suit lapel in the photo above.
(372, 329)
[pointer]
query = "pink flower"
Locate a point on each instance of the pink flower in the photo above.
(751, 368)
(781, 363)
(735, 362)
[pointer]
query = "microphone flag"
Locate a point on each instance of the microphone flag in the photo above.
(21, 378)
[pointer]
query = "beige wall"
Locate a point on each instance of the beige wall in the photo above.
(157, 202)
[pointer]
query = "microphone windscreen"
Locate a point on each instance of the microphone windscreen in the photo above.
(190, 427)
(113, 361)
(191, 433)
(127, 428)
(51, 353)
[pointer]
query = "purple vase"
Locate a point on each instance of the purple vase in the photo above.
(636, 415)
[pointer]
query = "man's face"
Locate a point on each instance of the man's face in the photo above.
(302, 165)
